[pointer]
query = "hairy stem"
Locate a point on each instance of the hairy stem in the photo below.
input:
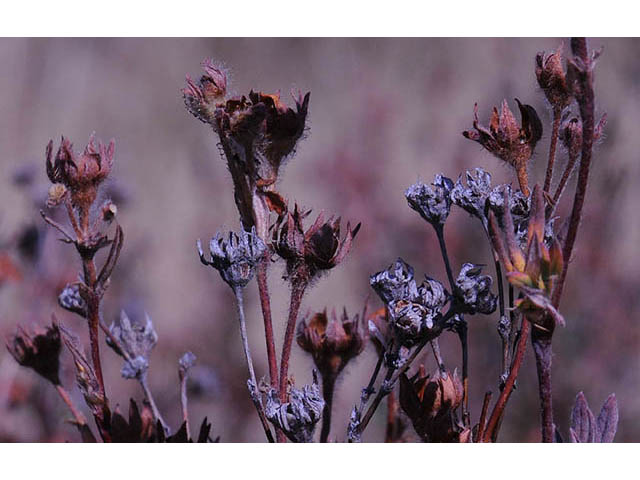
(557, 115)
(253, 384)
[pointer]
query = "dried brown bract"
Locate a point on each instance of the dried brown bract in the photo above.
(317, 249)
(430, 402)
(552, 78)
(39, 351)
(508, 140)
(332, 342)
(80, 174)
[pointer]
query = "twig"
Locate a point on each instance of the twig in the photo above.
(247, 352)
(557, 116)
(483, 416)
(501, 403)
(297, 291)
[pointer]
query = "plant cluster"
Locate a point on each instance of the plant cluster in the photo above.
(257, 134)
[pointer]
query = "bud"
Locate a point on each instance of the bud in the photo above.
(236, 257)
(39, 351)
(433, 204)
(571, 136)
(552, 79)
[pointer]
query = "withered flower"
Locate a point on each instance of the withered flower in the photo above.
(433, 203)
(430, 403)
(473, 290)
(135, 340)
(70, 299)
(234, 257)
(298, 417)
(473, 196)
(552, 79)
(534, 269)
(39, 350)
(412, 309)
(80, 174)
(332, 342)
(257, 134)
(317, 249)
(507, 140)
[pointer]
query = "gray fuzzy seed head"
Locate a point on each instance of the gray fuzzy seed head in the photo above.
(432, 202)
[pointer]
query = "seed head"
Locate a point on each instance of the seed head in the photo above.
(135, 341)
(433, 203)
(473, 290)
(297, 418)
(234, 257)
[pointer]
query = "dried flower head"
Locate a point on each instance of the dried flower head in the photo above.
(473, 290)
(70, 299)
(534, 269)
(395, 283)
(234, 257)
(317, 249)
(473, 196)
(39, 350)
(135, 341)
(433, 203)
(552, 78)
(297, 418)
(430, 402)
(80, 174)
(412, 309)
(507, 140)
(332, 342)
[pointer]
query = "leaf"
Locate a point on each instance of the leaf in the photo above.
(583, 423)
(608, 420)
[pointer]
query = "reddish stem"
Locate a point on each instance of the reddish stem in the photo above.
(557, 115)
(297, 291)
(265, 303)
(501, 403)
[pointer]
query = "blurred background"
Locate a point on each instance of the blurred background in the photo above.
(383, 114)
